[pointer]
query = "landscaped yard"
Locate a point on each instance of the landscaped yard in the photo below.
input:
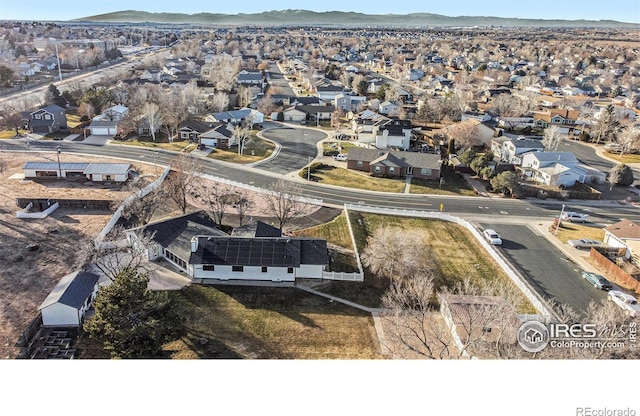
(457, 254)
(332, 175)
(256, 150)
(161, 142)
(73, 120)
(336, 145)
(453, 185)
(8, 134)
(268, 323)
(625, 158)
(570, 231)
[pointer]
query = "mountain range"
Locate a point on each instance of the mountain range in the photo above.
(338, 18)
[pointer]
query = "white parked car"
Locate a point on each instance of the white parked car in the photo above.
(625, 301)
(340, 157)
(574, 217)
(492, 237)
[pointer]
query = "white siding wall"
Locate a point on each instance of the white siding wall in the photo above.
(310, 271)
(249, 273)
(60, 315)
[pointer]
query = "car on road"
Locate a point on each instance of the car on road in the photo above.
(585, 243)
(597, 280)
(574, 217)
(625, 301)
(340, 157)
(492, 237)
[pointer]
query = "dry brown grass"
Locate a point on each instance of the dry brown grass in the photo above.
(27, 277)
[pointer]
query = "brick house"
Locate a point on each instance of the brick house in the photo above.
(394, 164)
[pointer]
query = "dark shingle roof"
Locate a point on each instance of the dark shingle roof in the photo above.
(256, 229)
(72, 290)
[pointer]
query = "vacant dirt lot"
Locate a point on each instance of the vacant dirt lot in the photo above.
(35, 254)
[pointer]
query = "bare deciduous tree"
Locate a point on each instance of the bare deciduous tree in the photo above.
(552, 138)
(216, 198)
(183, 179)
(243, 205)
(153, 117)
(283, 201)
(243, 137)
(119, 251)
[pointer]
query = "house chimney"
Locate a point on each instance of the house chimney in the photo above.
(194, 244)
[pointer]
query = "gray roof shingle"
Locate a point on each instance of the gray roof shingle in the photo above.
(72, 290)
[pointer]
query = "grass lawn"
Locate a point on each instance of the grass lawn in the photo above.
(269, 323)
(335, 232)
(453, 185)
(456, 253)
(342, 177)
(73, 120)
(570, 231)
(625, 158)
(8, 134)
(256, 150)
(326, 146)
(161, 142)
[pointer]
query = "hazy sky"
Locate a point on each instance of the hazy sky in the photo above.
(621, 10)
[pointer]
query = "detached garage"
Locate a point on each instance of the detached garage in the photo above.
(103, 127)
(69, 300)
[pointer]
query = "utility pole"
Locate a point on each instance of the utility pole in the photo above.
(59, 168)
(58, 58)
(309, 169)
(559, 219)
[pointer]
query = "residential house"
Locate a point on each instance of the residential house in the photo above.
(625, 234)
(328, 93)
(558, 169)
(144, 126)
(106, 124)
(236, 117)
(274, 259)
(294, 114)
(394, 164)
(366, 120)
(388, 134)
(313, 113)
(513, 149)
(47, 119)
(192, 129)
(249, 77)
(220, 136)
(348, 102)
(68, 302)
(555, 116)
(472, 129)
(294, 101)
(388, 108)
(171, 239)
(497, 144)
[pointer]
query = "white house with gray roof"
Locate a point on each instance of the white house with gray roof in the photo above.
(72, 297)
(558, 169)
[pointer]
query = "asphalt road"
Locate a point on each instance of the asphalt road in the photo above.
(547, 270)
(277, 79)
(298, 144)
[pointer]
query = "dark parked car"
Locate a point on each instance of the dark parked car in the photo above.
(597, 280)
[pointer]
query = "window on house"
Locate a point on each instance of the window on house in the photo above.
(392, 169)
(290, 270)
(208, 267)
(425, 171)
(377, 169)
(237, 268)
(47, 117)
(38, 117)
(360, 163)
(264, 269)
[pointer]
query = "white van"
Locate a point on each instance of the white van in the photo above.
(340, 157)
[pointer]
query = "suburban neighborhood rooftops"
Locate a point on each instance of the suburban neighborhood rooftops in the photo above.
(555, 156)
(72, 290)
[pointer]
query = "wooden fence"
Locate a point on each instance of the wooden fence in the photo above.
(613, 272)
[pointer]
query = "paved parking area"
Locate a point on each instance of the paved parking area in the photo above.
(298, 145)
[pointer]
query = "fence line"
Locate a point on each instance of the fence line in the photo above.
(351, 277)
(353, 239)
(138, 194)
(302, 199)
(514, 275)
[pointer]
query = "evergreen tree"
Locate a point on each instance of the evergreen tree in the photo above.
(132, 321)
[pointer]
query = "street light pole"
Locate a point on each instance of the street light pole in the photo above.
(59, 169)
(559, 219)
(309, 169)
